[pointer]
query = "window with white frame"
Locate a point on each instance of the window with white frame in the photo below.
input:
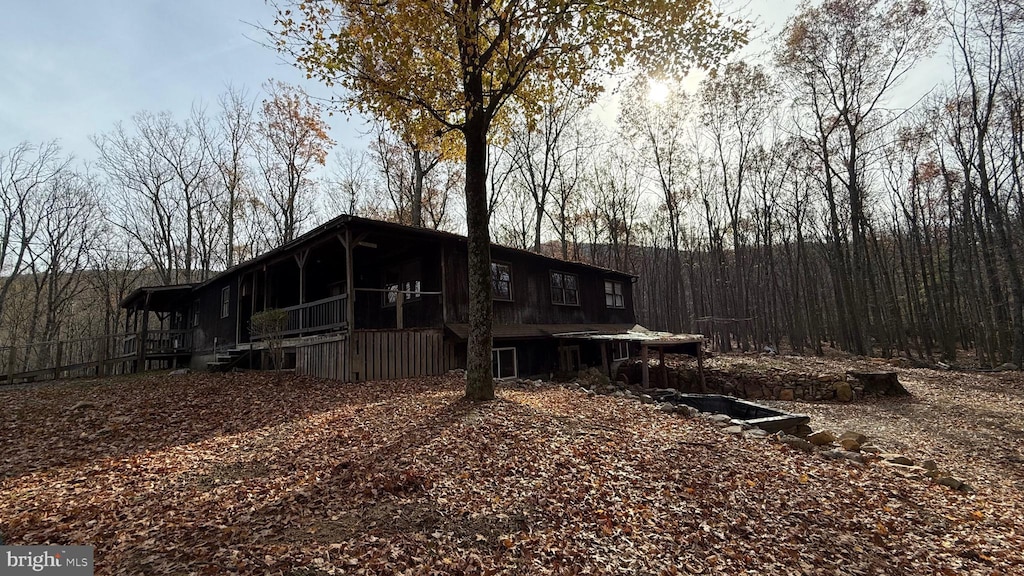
(613, 294)
(620, 350)
(565, 289)
(503, 363)
(225, 302)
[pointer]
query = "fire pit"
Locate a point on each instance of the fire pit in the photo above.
(741, 411)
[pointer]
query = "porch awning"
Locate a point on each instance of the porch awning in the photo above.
(513, 331)
(161, 298)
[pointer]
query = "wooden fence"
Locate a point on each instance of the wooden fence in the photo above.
(65, 358)
(377, 355)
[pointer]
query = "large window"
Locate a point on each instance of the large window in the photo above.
(503, 363)
(225, 302)
(613, 294)
(195, 313)
(565, 289)
(501, 281)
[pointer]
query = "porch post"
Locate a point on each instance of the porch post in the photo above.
(300, 259)
(604, 358)
(645, 368)
(664, 371)
(143, 335)
(399, 299)
(350, 301)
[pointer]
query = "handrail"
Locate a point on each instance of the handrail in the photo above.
(321, 315)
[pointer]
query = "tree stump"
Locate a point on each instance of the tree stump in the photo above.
(879, 383)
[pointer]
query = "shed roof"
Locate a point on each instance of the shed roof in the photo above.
(628, 332)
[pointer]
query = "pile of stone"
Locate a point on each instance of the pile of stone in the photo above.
(856, 447)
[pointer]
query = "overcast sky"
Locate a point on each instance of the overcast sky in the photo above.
(72, 68)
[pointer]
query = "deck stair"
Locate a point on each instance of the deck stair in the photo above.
(227, 359)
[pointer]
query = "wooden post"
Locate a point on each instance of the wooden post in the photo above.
(444, 287)
(350, 301)
(399, 300)
(664, 371)
(700, 366)
(12, 359)
(300, 259)
(56, 360)
(604, 359)
(646, 368)
(143, 335)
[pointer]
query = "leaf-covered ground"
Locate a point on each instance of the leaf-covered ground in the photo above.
(214, 474)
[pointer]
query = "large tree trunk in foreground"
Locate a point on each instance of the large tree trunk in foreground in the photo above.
(479, 380)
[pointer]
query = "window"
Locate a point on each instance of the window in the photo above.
(503, 363)
(620, 350)
(613, 294)
(565, 289)
(501, 281)
(195, 313)
(410, 291)
(225, 302)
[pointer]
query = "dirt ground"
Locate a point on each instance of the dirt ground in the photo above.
(971, 423)
(247, 474)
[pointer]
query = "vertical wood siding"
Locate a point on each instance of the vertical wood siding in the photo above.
(378, 355)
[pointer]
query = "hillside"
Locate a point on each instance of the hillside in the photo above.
(209, 474)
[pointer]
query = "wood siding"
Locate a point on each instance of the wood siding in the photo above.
(377, 355)
(531, 291)
(211, 326)
(323, 358)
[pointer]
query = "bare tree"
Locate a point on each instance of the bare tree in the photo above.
(25, 171)
(290, 143)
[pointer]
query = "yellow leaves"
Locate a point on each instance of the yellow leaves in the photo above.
(804, 478)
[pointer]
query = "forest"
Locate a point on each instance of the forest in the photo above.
(786, 201)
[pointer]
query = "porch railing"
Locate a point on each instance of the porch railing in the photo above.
(318, 316)
(159, 342)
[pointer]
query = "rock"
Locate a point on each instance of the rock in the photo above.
(860, 438)
(83, 405)
(786, 394)
(909, 471)
(666, 407)
(821, 438)
(850, 444)
(1006, 367)
(733, 429)
(801, 430)
(870, 449)
(798, 443)
(645, 399)
(842, 455)
(950, 482)
(687, 411)
(844, 392)
(179, 372)
(756, 433)
(929, 465)
(720, 418)
(897, 459)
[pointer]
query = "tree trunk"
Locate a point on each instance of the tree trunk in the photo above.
(479, 381)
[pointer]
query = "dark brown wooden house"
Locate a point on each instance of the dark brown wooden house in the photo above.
(369, 300)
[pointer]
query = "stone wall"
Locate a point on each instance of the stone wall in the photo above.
(751, 384)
